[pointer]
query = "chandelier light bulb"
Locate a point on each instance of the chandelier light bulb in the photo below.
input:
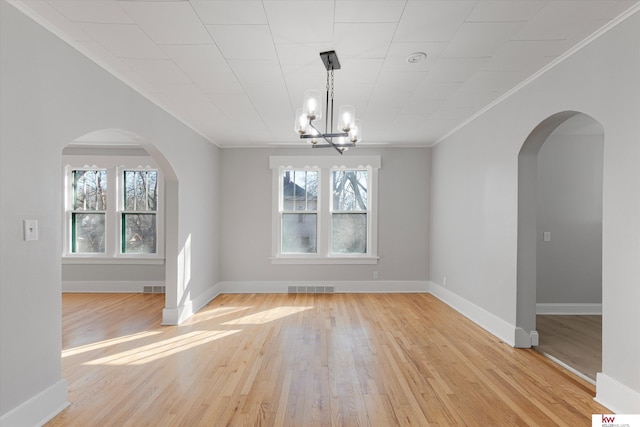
(300, 126)
(311, 105)
(355, 133)
(346, 117)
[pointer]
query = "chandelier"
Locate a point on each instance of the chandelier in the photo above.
(348, 131)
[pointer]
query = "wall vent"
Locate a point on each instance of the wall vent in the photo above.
(153, 289)
(310, 289)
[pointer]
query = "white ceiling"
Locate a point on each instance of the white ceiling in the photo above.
(236, 70)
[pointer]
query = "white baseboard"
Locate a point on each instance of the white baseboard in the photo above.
(609, 390)
(569, 308)
(40, 408)
(281, 287)
(102, 286)
(486, 320)
(177, 315)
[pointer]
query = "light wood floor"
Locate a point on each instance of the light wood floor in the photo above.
(574, 340)
(304, 360)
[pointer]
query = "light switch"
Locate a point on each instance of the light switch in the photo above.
(30, 229)
(546, 236)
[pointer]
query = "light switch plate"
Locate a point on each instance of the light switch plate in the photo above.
(30, 229)
(546, 236)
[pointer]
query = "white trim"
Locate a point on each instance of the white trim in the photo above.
(88, 260)
(105, 286)
(486, 320)
(40, 408)
(569, 308)
(177, 315)
(324, 162)
(609, 390)
(324, 260)
(281, 287)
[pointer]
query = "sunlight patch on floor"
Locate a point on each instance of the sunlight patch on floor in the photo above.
(266, 316)
(107, 343)
(162, 349)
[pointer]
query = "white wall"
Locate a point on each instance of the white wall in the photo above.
(569, 207)
(51, 95)
(403, 200)
(474, 197)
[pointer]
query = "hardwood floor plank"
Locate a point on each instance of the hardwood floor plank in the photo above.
(304, 360)
(573, 339)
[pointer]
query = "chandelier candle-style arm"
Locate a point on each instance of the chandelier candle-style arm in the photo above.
(349, 130)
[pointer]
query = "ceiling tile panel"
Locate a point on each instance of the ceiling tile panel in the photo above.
(216, 81)
(199, 57)
(300, 21)
(522, 56)
(55, 21)
(157, 70)
(369, 11)
(480, 39)
(399, 52)
(256, 73)
(452, 70)
(168, 22)
(505, 10)
(432, 20)
(363, 40)
(559, 20)
(104, 56)
(99, 11)
(248, 42)
(230, 12)
(124, 41)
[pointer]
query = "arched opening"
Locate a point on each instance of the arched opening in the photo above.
(560, 233)
(147, 273)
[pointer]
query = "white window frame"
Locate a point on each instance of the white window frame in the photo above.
(115, 167)
(325, 165)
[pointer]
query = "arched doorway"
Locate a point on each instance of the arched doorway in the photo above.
(559, 237)
(117, 142)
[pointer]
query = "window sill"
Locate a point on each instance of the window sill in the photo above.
(111, 260)
(325, 260)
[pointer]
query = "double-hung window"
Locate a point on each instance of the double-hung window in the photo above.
(113, 211)
(88, 211)
(138, 217)
(324, 209)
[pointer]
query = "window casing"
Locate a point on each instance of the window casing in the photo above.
(113, 211)
(325, 209)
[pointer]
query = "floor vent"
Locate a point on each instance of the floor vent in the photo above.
(310, 289)
(153, 289)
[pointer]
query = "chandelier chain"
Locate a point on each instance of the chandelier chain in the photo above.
(332, 84)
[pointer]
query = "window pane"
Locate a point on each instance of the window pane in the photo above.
(299, 190)
(139, 233)
(349, 233)
(299, 233)
(89, 190)
(140, 190)
(87, 233)
(350, 190)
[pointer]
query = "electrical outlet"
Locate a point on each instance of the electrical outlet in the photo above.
(444, 280)
(375, 274)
